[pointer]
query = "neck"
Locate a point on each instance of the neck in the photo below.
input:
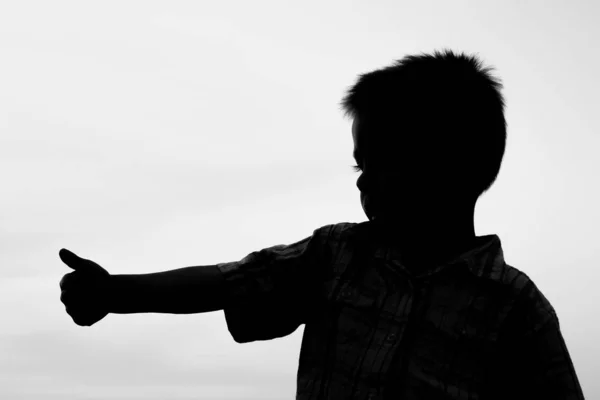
(429, 238)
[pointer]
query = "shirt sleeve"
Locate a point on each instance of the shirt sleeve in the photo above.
(273, 291)
(538, 362)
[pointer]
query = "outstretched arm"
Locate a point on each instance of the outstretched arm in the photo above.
(180, 291)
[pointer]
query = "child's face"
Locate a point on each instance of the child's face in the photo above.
(386, 190)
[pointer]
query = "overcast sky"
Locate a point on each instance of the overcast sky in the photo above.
(150, 136)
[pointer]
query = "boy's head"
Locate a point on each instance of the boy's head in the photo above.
(429, 133)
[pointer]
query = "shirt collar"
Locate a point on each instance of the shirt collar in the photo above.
(484, 260)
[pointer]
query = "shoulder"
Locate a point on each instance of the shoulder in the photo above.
(530, 309)
(339, 241)
(338, 235)
(344, 228)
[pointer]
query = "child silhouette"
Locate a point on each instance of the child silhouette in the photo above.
(410, 304)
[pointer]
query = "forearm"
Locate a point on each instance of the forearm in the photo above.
(181, 291)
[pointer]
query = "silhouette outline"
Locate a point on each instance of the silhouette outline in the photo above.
(409, 304)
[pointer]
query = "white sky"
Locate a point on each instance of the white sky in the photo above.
(150, 136)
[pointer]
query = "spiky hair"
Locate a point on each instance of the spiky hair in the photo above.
(446, 108)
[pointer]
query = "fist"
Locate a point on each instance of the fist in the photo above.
(84, 292)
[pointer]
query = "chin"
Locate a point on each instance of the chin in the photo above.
(370, 213)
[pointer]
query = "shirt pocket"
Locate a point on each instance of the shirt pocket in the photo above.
(355, 316)
(471, 361)
(454, 355)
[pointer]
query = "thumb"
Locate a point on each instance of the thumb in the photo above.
(71, 259)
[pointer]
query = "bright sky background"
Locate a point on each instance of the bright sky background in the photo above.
(150, 136)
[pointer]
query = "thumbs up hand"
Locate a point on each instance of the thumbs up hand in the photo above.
(84, 292)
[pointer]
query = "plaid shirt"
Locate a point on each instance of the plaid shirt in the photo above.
(474, 328)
